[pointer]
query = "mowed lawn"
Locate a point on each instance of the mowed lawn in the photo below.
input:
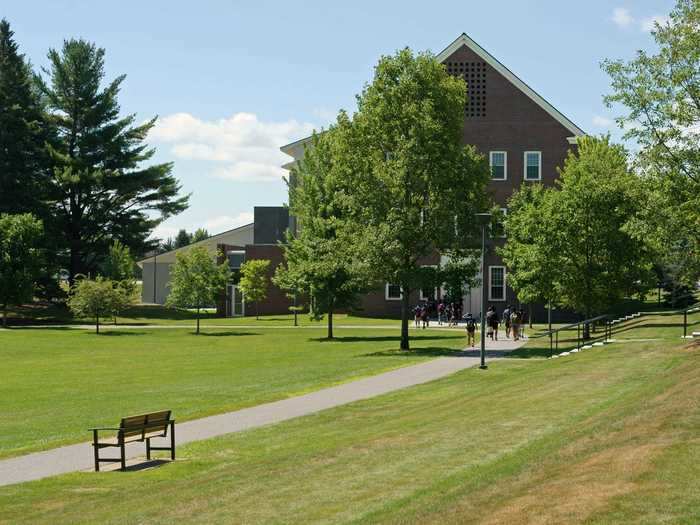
(609, 435)
(57, 383)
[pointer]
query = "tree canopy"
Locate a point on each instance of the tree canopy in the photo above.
(413, 186)
(196, 280)
(100, 189)
(254, 281)
(20, 259)
(659, 93)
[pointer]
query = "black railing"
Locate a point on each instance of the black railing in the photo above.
(586, 333)
(691, 309)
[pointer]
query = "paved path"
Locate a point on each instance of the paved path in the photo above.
(79, 457)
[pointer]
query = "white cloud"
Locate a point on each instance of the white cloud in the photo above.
(325, 115)
(164, 232)
(251, 171)
(247, 147)
(602, 122)
(223, 223)
(649, 24)
(622, 17)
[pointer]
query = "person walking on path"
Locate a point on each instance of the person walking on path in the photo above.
(425, 317)
(416, 315)
(495, 321)
(471, 330)
(490, 312)
(515, 324)
(523, 322)
(440, 312)
(506, 320)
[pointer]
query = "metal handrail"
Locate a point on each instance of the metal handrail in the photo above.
(580, 332)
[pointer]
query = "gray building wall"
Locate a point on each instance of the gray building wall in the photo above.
(162, 278)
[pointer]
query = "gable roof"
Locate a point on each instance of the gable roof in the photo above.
(210, 243)
(464, 40)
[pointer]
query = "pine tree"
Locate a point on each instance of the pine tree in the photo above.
(21, 131)
(100, 189)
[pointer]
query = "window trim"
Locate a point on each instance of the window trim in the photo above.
(386, 293)
(505, 164)
(539, 173)
(491, 298)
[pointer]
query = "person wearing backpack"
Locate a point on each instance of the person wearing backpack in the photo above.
(471, 330)
(506, 320)
(515, 324)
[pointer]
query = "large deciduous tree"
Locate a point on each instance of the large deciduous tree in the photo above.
(322, 259)
(196, 280)
(660, 92)
(570, 244)
(532, 258)
(22, 132)
(100, 188)
(20, 259)
(415, 186)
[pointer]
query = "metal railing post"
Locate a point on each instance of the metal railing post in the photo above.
(685, 323)
(578, 336)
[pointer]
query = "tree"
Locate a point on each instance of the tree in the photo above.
(22, 132)
(196, 280)
(581, 254)
(182, 239)
(200, 234)
(254, 281)
(661, 94)
(20, 259)
(119, 268)
(95, 298)
(457, 274)
(414, 187)
(100, 189)
(533, 260)
(322, 258)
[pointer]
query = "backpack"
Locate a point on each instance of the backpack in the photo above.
(471, 324)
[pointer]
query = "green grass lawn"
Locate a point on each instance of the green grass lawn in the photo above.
(159, 315)
(56, 383)
(606, 436)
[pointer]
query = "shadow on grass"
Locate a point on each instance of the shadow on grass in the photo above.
(224, 334)
(430, 351)
(380, 338)
(106, 332)
(145, 465)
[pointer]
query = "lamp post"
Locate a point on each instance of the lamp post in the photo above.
(485, 221)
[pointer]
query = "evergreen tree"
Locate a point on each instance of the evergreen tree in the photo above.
(100, 189)
(200, 235)
(182, 239)
(21, 131)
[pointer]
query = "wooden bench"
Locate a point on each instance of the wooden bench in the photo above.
(135, 428)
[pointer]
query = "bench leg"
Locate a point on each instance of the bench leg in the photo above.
(96, 450)
(172, 440)
(148, 448)
(123, 450)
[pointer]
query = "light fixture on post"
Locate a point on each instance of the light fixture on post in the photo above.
(485, 219)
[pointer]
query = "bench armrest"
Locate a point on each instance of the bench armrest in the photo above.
(103, 428)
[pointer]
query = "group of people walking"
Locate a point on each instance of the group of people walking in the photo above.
(512, 319)
(447, 313)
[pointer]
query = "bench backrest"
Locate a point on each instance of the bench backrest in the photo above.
(138, 428)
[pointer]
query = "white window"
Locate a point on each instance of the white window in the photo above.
(533, 165)
(392, 292)
(499, 165)
(497, 283)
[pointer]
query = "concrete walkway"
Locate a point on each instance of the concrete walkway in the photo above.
(79, 457)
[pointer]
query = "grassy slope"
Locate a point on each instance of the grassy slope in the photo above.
(56, 383)
(607, 436)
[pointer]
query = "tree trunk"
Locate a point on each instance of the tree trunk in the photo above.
(404, 319)
(330, 324)
(197, 332)
(97, 324)
(257, 311)
(4, 316)
(529, 314)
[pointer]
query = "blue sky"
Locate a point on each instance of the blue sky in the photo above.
(232, 81)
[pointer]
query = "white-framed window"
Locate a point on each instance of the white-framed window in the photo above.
(532, 163)
(497, 283)
(392, 292)
(498, 160)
